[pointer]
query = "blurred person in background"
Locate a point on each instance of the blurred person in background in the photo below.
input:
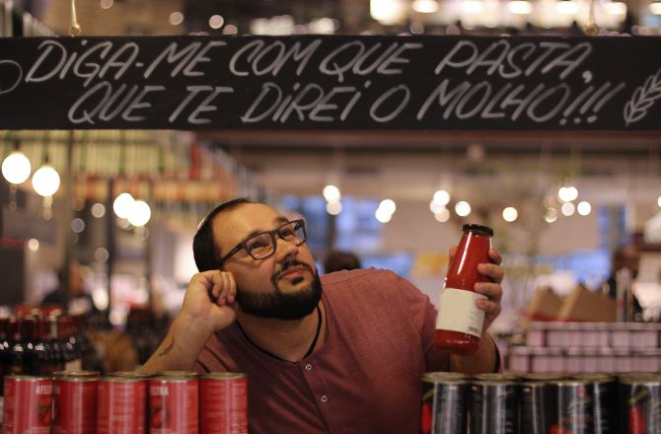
(625, 262)
(80, 301)
(337, 261)
(341, 352)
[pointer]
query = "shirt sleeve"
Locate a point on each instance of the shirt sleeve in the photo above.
(422, 314)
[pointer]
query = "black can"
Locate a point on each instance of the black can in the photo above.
(535, 406)
(444, 397)
(570, 407)
(494, 404)
(640, 401)
(603, 390)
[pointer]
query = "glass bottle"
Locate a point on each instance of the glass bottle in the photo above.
(29, 337)
(43, 349)
(5, 357)
(16, 347)
(55, 344)
(460, 321)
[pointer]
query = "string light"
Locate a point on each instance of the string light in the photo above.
(462, 208)
(46, 181)
(510, 214)
(16, 168)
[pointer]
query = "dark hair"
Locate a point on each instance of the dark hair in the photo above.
(337, 261)
(205, 251)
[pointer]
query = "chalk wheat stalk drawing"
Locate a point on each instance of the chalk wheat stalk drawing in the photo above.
(643, 98)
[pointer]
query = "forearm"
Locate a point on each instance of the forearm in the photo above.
(481, 362)
(180, 348)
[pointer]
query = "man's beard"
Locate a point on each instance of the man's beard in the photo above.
(281, 305)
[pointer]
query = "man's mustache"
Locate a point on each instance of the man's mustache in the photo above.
(287, 265)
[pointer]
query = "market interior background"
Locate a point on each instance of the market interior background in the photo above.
(560, 203)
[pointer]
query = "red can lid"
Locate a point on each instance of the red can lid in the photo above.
(485, 230)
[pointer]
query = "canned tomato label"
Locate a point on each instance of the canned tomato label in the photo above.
(74, 409)
(603, 390)
(173, 405)
(224, 403)
(444, 396)
(640, 400)
(27, 405)
(535, 407)
(122, 403)
(571, 407)
(494, 405)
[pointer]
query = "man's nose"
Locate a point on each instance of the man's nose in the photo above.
(284, 248)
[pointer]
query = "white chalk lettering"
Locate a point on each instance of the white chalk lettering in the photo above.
(325, 105)
(137, 103)
(206, 104)
(50, 46)
(9, 68)
(450, 61)
(565, 60)
(268, 89)
(509, 62)
(337, 64)
(200, 57)
(171, 55)
(132, 50)
(443, 97)
(383, 98)
(261, 61)
(482, 86)
(97, 103)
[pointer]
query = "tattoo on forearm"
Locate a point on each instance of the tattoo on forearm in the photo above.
(167, 349)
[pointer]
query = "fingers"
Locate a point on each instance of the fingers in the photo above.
(493, 291)
(491, 308)
(220, 285)
(495, 256)
(494, 272)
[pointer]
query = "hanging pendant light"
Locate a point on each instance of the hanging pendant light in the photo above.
(16, 168)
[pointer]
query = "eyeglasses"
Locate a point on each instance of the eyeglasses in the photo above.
(263, 245)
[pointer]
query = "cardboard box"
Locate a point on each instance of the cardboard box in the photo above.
(584, 305)
(545, 305)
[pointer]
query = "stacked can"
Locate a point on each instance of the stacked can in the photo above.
(444, 396)
(173, 403)
(122, 404)
(224, 403)
(27, 404)
(570, 407)
(74, 402)
(494, 404)
(640, 401)
(536, 417)
(603, 390)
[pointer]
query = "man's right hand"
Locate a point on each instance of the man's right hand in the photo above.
(209, 301)
(208, 308)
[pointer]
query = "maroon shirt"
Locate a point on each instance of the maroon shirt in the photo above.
(366, 377)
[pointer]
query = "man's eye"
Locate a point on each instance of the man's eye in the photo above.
(287, 232)
(258, 244)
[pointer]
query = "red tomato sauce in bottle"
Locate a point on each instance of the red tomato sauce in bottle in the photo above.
(459, 323)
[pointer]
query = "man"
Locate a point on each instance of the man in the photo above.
(625, 258)
(340, 354)
(338, 261)
(80, 302)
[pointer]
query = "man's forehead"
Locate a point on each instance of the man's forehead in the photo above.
(236, 224)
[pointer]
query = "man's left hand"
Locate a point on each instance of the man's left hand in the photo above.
(493, 289)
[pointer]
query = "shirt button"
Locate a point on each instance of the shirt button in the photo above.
(324, 398)
(308, 367)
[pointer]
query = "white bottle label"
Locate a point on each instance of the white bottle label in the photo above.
(457, 312)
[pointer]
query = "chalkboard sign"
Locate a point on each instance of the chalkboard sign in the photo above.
(331, 82)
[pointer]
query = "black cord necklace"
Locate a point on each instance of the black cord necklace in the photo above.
(309, 351)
